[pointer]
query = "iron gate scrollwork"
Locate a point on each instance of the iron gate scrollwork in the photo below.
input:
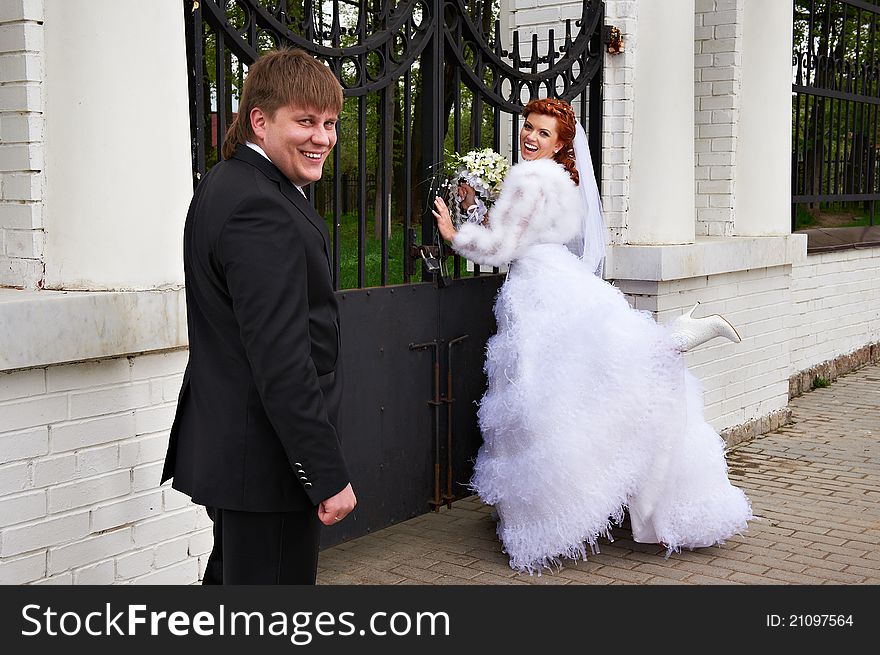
(420, 77)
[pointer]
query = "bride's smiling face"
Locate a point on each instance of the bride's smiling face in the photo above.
(539, 137)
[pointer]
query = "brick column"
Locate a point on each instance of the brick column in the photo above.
(717, 83)
(617, 128)
(537, 17)
(21, 143)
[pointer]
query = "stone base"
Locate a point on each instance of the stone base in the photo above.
(802, 382)
(756, 427)
(799, 384)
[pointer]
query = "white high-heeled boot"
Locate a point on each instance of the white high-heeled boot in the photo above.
(689, 332)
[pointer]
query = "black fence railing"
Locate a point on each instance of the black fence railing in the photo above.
(835, 103)
(324, 196)
(420, 78)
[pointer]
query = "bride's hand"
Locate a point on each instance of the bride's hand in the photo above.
(444, 219)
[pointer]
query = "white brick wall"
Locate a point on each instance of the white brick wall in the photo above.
(718, 51)
(742, 381)
(21, 143)
(537, 17)
(617, 126)
(81, 445)
(717, 82)
(81, 450)
(790, 318)
(835, 306)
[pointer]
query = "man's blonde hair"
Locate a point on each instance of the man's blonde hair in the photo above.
(277, 79)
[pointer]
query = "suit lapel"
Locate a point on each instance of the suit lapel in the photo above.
(290, 192)
(299, 201)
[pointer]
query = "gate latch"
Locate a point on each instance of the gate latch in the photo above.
(431, 256)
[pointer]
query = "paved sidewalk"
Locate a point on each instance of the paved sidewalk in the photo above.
(814, 484)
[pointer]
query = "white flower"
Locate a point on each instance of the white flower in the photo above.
(482, 169)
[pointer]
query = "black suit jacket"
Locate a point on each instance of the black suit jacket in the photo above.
(256, 422)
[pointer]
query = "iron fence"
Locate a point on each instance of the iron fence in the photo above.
(835, 98)
(420, 77)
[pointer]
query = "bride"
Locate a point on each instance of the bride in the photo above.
(590, 410)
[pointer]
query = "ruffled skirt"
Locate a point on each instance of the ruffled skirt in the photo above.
(589, 412)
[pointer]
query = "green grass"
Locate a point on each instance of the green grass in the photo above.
(804, 219)
(820, 383)
(348, 252)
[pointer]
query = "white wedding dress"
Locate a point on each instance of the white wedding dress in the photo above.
(589, 409)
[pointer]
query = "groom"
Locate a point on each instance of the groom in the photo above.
(255, 436)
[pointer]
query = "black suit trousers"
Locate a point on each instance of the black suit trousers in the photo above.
(263, 548)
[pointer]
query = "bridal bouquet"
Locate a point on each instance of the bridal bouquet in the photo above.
(484, 171)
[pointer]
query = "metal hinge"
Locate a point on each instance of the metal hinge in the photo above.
(612, 38)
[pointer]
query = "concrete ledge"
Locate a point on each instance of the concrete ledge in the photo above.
(756, 427)
(38, 328)
(706, 256)
(800, 383)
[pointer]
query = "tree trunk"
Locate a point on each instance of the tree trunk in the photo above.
(397, 190)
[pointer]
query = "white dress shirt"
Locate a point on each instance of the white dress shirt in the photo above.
(254, 146)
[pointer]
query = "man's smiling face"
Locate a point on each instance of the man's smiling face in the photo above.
(296, 139)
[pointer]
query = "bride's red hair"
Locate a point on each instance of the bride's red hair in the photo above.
(565, 129)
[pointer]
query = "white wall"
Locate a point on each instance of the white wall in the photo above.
(835, 306)
(717, 91)
(94, 185)
(21, 143)
(763, 156)
(118, 178)
(741, 382)
(81, 451)
(661, 200)
(790, 317)
(617, 125)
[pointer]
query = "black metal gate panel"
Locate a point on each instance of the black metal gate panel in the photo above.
(420, 78)
(409, 441)
(386, 420)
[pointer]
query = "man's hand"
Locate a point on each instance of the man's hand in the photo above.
(337, 507)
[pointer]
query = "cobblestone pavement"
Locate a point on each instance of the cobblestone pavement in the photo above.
(814, 484)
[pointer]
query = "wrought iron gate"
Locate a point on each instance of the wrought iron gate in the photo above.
(835, 100)
(420, 77)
